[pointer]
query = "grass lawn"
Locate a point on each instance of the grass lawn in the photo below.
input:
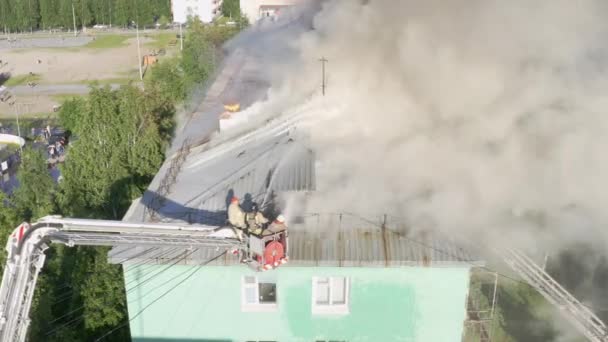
(108, 41)
(161, 40)
(21, 79)
(31, 116)
(114, 80)
(62, 97)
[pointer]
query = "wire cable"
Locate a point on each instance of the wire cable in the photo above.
(128, 291)
(441, 251)
(161, 296)
(68, 293)
(519, 281)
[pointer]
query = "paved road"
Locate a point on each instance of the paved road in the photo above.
(44, 42)
(62, 39)
(53, 89)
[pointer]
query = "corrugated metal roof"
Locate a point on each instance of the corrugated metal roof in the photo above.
(268, 160)
(251, 171)
(345, 240)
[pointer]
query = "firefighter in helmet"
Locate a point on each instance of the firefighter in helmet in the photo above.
(255, 220)
(277, 226)
(236, 217)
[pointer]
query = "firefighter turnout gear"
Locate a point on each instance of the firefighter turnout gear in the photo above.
(236, 215)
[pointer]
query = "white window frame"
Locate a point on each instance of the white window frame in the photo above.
(256, 307)
(331, 308)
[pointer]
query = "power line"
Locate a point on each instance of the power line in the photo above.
(443, 251)
(523, 282)
(323, 61)
(126, 292)
(162, 295)
(68, 294)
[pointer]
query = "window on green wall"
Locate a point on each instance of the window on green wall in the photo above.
(258, 294)
(330, 295)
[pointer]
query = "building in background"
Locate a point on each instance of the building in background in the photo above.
(205, 10)
(256, 9)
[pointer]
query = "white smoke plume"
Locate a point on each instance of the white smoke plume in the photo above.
(484, 117)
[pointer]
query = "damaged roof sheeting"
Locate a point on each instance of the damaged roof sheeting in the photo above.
(251, 172)
(338, 240)
(257, 165)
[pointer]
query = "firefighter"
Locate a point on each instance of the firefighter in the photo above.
(278, 225)
(236, 217)
(255, 220)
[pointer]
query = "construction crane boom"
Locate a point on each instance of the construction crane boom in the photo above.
(27, 244)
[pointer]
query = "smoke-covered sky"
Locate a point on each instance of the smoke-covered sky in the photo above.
(464, 115)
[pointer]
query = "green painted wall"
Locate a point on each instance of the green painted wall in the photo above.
(386, 304)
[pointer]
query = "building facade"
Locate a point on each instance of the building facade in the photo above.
(299, 304)
(256, 9)
(205, 10)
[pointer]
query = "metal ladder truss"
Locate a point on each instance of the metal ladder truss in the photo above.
(572, 309)
(27, 244)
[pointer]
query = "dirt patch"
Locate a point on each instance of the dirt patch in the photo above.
(74, 65)
(29, 106)
(65, 66)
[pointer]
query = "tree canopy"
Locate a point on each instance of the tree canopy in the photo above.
(117, 144)
(118, 141)
(231, 8)
(118, 150)
(26, 15)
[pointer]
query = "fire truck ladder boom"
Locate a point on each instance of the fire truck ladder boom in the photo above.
(27, 245)
(585, 321)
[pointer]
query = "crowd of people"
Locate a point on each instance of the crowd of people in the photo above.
(55, 149)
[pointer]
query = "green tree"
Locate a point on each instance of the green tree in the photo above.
(198, 58)
(33, 198)
(144, 15)
(25, 15)
(65, 19)
(231, 8)
(118, 151)
(69, 115)
(167, 80)
(163, 21)
(8, 222)
(121, 12)
(99, 285)
(48, 13)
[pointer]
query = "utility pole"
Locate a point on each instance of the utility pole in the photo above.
(17, 108)
(82, 16)
(74, 18)
(323, 60)
(29, 4)
(139, 61)
(141, 74)
(181, 38)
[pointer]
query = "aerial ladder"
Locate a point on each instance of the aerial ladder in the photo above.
(27, 244)
(577, 313)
